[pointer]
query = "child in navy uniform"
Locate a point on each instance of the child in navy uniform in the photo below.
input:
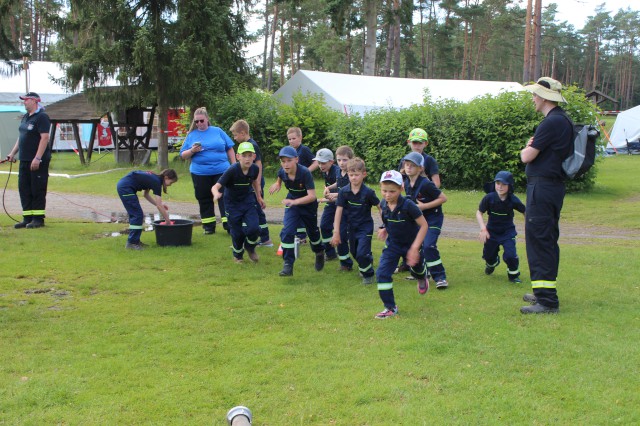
(418, 140)
(136, 181)
(429, 200)
(343, 155)
(301, 206)
(241, 133)
(404, 229)
(330, 173)
(354, 202)
(499, 204)
(241, 194)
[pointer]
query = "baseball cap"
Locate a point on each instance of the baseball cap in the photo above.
(547, 88)
(324, 155)
(415, 157)
(504, 177)
(288, 151)
(391, 176)
(246, 147)
(418, 135)
(31, 95)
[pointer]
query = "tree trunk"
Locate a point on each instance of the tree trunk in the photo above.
(526, 68)
(348, 48)
(35, 30)
(266, 44)
(396, 39)
(299, 42)
(594, 80)
(369, 56)
(465, 51)
(537, 41)
(163, 137)
(291, 41)
(387, 59)
(282, 41)
(423, 58)
(273, 39)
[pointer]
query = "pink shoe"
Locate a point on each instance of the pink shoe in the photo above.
(387, 313)
(423, 285)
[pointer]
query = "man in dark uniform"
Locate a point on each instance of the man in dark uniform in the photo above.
(543, 155)
(35, 156)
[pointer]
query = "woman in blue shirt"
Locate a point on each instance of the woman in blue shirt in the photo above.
(211, 153)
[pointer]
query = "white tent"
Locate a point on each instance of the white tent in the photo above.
(350, 93)
(626, 128)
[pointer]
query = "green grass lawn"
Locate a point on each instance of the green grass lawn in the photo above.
(94, 334)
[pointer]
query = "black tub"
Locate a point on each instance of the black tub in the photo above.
(178, 234)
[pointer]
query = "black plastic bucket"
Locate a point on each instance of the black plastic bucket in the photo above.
(178, 234)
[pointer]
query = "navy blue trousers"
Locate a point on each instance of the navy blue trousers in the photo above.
(430, 248)
(360, 246)
(491, 253)
(388, 263)
(32, 187)
(542, 231)
(326, 229)
(242, 218)
(262, 218)
(293, 216)
(136, 215)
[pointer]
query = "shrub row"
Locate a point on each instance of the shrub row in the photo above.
(471, 141)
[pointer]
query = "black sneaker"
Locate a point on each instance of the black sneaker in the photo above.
(35, 223)
(319, 261)
(21, 225)
(489, 269)
(515, 280)
(330, 258)
(402, 268)
(133, 246)
(538, 309)
(369, 280)
(287, 270)
(253, 256)
(209, 229)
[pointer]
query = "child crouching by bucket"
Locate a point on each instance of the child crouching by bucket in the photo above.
(146, 181)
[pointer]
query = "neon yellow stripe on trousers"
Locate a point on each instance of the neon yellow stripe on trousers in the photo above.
(543, 284)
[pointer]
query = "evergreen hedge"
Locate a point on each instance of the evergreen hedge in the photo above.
(471, 141)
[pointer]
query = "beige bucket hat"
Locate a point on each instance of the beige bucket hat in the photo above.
(547, 88)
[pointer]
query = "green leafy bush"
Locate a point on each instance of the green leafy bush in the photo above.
(310, 113)
(471, 141)
(258, 108)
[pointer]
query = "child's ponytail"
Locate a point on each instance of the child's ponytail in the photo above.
(170, 174)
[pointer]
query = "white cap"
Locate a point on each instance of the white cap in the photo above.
(324, 155)
(392, 176)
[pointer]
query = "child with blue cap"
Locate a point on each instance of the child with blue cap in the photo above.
(499, 204)
(301, 206)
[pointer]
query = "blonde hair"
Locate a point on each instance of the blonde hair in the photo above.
(345, 151)
(295, 130)
(356, 165)
(240, 126)
(199, 111)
